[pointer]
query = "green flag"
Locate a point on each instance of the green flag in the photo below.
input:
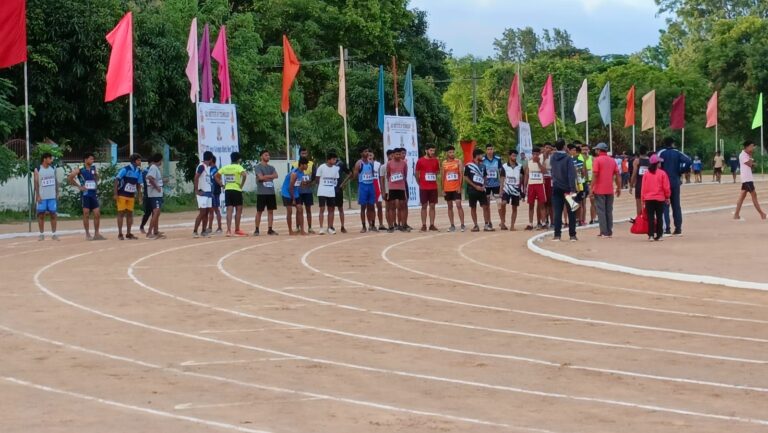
(757, 122)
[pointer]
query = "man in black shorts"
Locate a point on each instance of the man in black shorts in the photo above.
(511, 181)
(344, 172)
(474, 175)
(747, 186)
(265, 192)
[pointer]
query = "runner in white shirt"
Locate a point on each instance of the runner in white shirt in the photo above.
(327, 177)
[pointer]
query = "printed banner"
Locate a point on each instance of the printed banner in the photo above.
(525, 141)
(401, 132)
(217, 131)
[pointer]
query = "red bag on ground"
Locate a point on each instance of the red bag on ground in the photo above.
(640, 226)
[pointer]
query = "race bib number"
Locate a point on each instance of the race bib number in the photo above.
(493, 174)
(297, 183)
(642, 170)
(367, 177)
(452, 176)
(130, 188)
(90, 184)
(229, 178)
(329, 181)
(269, 184)
(397, 177)
(47, 181)
(478, 179)
(306, 178)
(536, 175)
(512, 181)
(430, 177)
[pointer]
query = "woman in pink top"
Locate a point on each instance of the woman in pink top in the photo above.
(655, 193)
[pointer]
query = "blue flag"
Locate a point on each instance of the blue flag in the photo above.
(604, 103)
(381, 98)
(408, 100)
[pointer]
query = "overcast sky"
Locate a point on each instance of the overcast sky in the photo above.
(602, 26)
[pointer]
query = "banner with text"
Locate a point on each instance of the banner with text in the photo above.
(525, 140)
(401, 132)
(217, 131)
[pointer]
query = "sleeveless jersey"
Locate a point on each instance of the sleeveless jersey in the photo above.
(285, 190)
(366, 175)
(535, 176)
(642, 168)
(451, 176)
(87, 178)
(47, 177)
(512, 179)
(396, 171)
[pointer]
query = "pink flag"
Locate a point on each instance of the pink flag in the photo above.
(514, 110)
(192, 73)
(547, 107)
(120, 70)
(712, 111)
(220, 54)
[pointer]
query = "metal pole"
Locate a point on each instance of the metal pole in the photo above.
(474, 95)
(633, 139)
(287, 142)
(654, 138)
(562, 107)
(130, 121)
(29, 169)
(610, 135)
(555, 123)
(716, 138)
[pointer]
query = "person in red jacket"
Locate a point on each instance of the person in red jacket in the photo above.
(655, 194)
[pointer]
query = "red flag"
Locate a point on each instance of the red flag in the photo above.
(13, 32)
(629, 112)
(547, 107)
(290, 70)
(220, 54)
(120, 70)
(514, 110)
(712, 111)
(677, 116)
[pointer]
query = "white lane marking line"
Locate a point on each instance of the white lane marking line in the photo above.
(385, 257)
(408, 343)
(676, 276)
(306, 264)
(253, 385)
(347, 286)
(140, 409)
(235, 331)
(188, 406)
(592, 284)
(235, 361)
(384, 371)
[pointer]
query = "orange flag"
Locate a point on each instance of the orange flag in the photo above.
(120, 70)
(629, 112)
(290, 70)
(712, 111)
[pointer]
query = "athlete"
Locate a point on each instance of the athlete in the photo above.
(306, 190)
(733, 163)
(377, 187)
(155, 194)
(215, 210)
(547, 160)
(385, 190)
(327, 177)
(537, 196)
(366, 193)
(586, 156)
(46, 195)
(475, 176)
(639, 168)
(265, 192)
(127, 183)
(232, 178)
(203, 188)
(747, 180)
(397, 173)
(427, 170)
(511, 179)
(291, 193)
(339, 202)
(696, 166)
(718, 162)
(451, 174)
(492, 165)
(86, 179)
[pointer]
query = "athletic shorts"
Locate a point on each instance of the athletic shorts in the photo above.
(306, 199)
(266, 201)
(477, 197)
(90, 202)
(287, 202)
(452, 195)
(696, 171)
(638, 190)
(428, 196)
(204, 202)
(492, 190)
(366, 194)
(339, 197)
(125, 204)
(537, 192)
(326, 201)
(514, 200)
(233, 198)
(216, 201)
(748, 186)
(547, 189)
(719, 170)
(155, 203)
(47, 206)
(396, 194)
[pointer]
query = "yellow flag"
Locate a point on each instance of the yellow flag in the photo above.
(342, 85)
(649, 111)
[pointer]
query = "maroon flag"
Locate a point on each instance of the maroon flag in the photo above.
(677, 116)
(13, 32)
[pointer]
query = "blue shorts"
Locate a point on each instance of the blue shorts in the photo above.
(155, 203)
(49, 205)
(216, 202)
(90, 202)
(366, 195)
(306, 199)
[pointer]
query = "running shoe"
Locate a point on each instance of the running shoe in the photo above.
(574, 239)
(133, 238)
(196, 235)
(677, 232)
(489, 228)
(322, 231)
(88, 237)
(503, 227)
(452, 229)
(475, 229)
(240, 233)
(433, 229)
(343, 230)
(256, 232)
(391, 230)
(98, 237)
(363, 230)
(271, 232)
(407, 228)
(667, 232)
(310, 231)
(332, 231)
(151, 236)
(42, 237)
(423, 229)
(463, 228)
(373, 229)
(382, 228)
(555, 239)
(206, 234)
(218, 232)
(55, 237)
(120, 237)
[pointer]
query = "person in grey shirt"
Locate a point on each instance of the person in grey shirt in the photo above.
(46, 194)
(155, 194)
(265, 192)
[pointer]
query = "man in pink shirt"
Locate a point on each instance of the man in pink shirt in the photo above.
(605, 172)
(746, 164)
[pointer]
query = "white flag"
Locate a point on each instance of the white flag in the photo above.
(581, 108)
(342, 85)
(192, 73)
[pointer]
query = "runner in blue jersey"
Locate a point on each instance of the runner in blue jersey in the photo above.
(86, 179)
(493, 166)
(291, 193)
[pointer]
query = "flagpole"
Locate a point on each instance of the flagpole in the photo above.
(555, 122)
(562, 108)
(633, 139)
(716, 125)
(394, 81)
(610, 135)
(130, 122)
(29, 169)
(654, 137)
(683, 140)
(287, 141)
